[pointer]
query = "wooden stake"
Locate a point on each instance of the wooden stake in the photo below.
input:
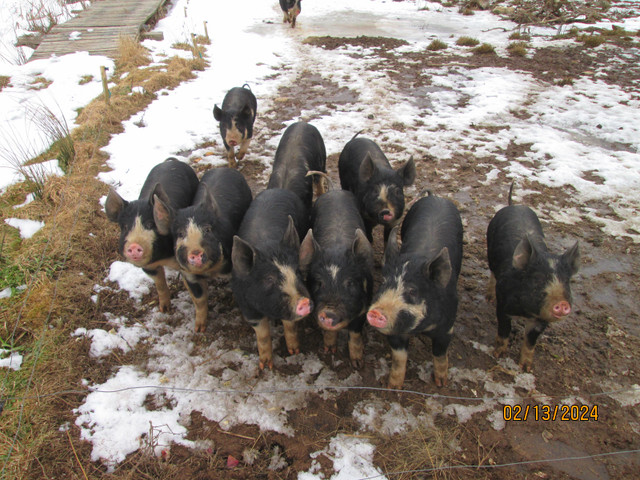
(105, 88)
(196, 50)
(206, 32)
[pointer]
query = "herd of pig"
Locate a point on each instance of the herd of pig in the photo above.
(290, 257)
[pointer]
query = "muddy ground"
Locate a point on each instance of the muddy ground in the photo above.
(592, 351)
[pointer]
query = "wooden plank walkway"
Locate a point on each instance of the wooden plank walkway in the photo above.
(98, 28)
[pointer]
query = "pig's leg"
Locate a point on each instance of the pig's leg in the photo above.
(198, 292)
(399, 344)
(356, 349)
(291, 337)
(533, 330)
(330, 338)
(244, 146)
(231, 157)
(440, 359)
(263, 334)
(504, 330)
(164, 297)
(491, 289)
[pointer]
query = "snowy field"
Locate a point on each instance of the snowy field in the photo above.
(573, 129)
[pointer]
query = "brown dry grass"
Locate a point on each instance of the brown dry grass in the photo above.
(421, 449)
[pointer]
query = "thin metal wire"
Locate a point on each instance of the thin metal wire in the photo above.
(502, 465)
(304, 389)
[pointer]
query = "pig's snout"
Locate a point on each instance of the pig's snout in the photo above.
(376, 319)
(196, 258)
(134, 252)
(561, 309)
(304, 307)
(328, 319)
(386, 215)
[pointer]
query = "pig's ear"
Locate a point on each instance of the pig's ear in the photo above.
(392, 250)
(290, 237)
(572, 258)
(362, 249)
(367, 168)
(159, 192)
(242, 256)
(439, 269)
(162, 215)
(408, 172)
(246, 112)
(522, 254)
(210, 201)
(114, 205)
(217, 113)
(307, 248)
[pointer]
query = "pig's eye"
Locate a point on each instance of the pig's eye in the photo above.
(351, 285)
(149, 224)
(269, 281)
(207, 229)
(412, 294)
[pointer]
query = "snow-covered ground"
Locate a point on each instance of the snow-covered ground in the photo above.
(573, 129)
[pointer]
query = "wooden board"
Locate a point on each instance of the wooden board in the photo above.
(98, 29)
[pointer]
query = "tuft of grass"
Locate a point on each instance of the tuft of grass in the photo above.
(484, 49)
(416, 450)
(564, 81)
(519, 36)
(4, 81)
(436, 45)
(467, 42)
(518, 49)
(85, 79)
(592, 41)
(131, 54)
(40, 83)
(467, 11)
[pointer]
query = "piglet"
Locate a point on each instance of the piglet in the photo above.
(418, 293)
(141, 243)
(236, 117)
(203, 232)
(365, 171)
(528, 280)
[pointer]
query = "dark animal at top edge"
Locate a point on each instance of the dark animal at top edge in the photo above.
(301, 150)
(141, 244)
(526, 278)
(291, 9)
(338, 260)
(203, 232)
(366, 171)
(236, 117)
(419, 290)
(266, 280)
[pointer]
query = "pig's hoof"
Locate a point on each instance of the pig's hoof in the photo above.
(294, 351)
(526, 367)
(267, 363)
(330, 349)
(440, 382)
(240, 155)
(357, 363)
(394, 386)
(201, 328)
